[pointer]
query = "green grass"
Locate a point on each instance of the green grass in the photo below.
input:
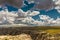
(50, 29)
(53, 31)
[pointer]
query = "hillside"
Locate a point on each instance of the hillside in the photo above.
(30, 33)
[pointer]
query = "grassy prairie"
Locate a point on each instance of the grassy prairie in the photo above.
(50, 29)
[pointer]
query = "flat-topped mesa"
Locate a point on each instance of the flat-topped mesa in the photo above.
(43, 4)
(14, 3)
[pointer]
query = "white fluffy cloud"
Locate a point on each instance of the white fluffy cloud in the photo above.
(44, 17)
(50, 21)
(7, 16)
(30, 1)
(10, 17)
(57, 3)
(26, 18)
(47, 21)
(34, 13)
(28, 13)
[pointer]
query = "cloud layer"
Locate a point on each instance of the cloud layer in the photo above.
(22, 17)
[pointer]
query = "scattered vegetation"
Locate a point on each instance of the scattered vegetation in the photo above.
(30, 33)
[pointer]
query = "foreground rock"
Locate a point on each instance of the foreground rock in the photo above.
(17, 37)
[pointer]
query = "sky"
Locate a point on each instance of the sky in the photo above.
(40, 18)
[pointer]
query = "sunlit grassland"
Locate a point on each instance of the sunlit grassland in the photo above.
(53, 31)
(50, 29)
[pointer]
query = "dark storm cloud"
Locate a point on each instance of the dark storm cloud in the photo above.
(43, 4)
(14, 3)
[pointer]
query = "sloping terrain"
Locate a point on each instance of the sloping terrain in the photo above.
(30, 33)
